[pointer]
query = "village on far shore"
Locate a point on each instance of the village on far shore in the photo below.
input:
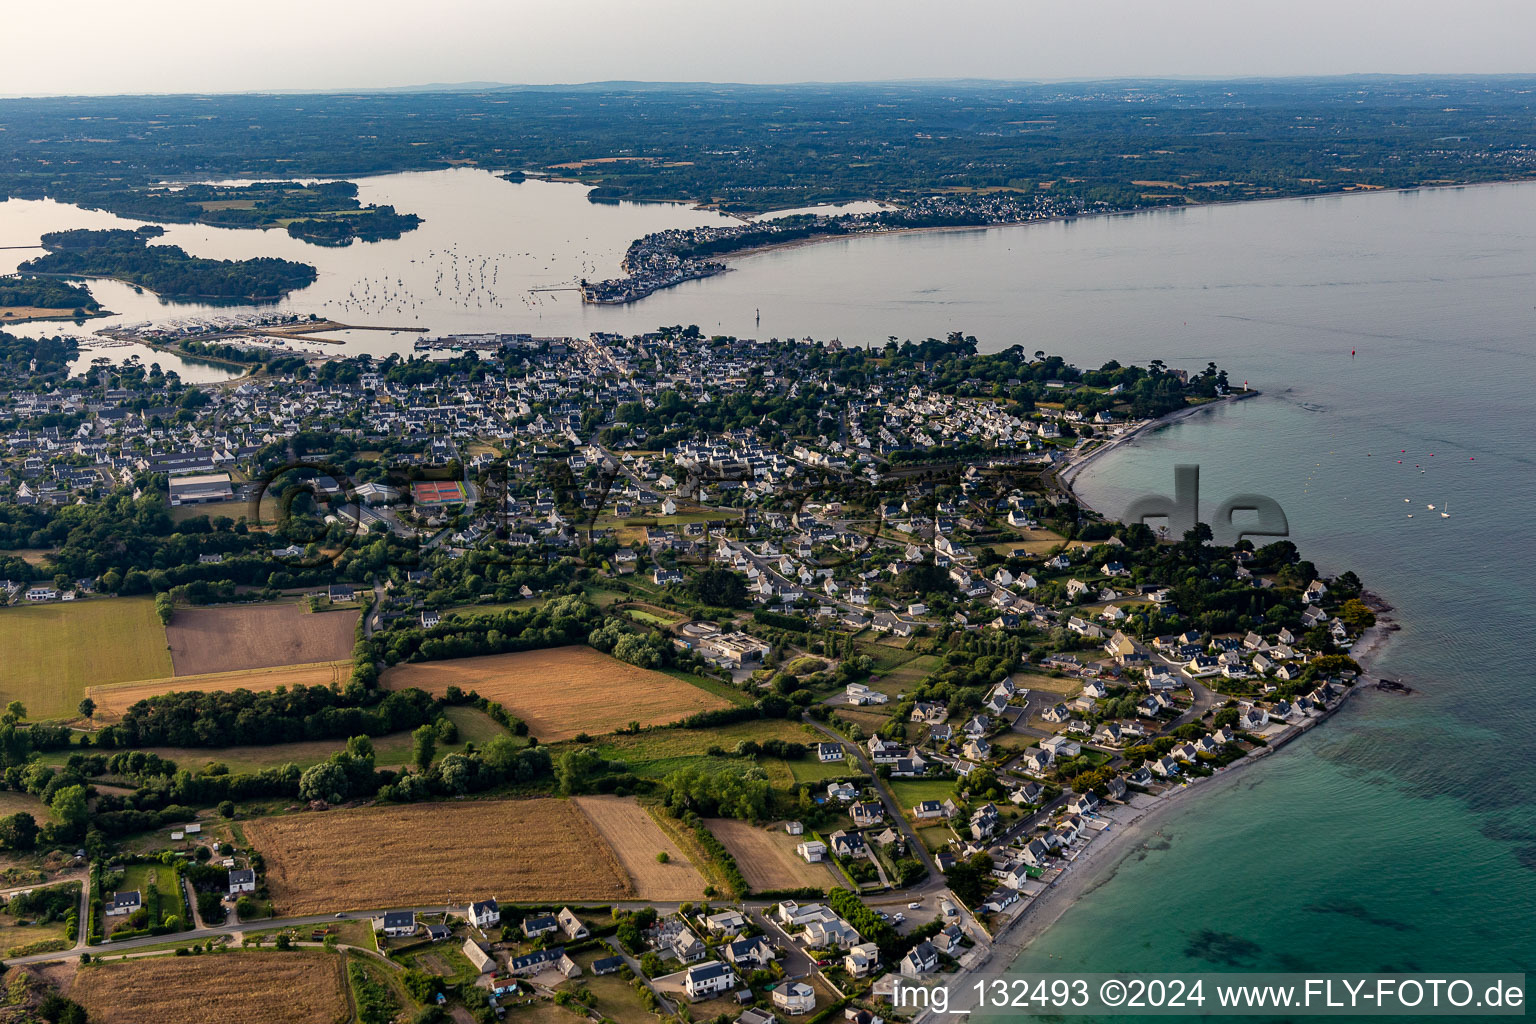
(666, 677)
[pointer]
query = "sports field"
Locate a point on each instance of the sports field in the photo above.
(54, 651)
(428, 493)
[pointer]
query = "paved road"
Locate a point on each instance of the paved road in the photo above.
(375, 619)
(795, 962)
(892, 808)
(1205, 700)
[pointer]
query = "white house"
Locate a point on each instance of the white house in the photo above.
(862, 959)
(708, 979)
(844, 791)
(124, 903)
(922, 959)
(572, 925)
(397, 924)
(484, 914)
(813, 851)
(794, 998)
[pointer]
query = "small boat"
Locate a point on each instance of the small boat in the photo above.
(1410, 515)
(1446, 513)
(1430, 507)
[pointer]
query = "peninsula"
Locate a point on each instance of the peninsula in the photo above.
(787, 668)
(167, 270)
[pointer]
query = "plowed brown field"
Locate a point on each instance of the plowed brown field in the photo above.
(113, 700)
(235, 637)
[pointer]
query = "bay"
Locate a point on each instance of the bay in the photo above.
(1394, 338)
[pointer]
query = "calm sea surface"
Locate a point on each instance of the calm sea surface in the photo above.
(1402, 835)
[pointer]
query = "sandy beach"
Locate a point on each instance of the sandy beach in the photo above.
(1075, 465)
(1098, 862)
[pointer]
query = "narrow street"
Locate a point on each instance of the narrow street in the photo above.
(892, 808)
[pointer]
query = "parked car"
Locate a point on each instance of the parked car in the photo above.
(914, 904)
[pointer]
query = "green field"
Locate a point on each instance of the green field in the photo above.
(446, 960)
(935, 837)
(391, 751)
(887, 657)
(909, 792)
(54, 651)
(903, 677)
(811, 769)
(18, 939)
(654, 754)
(709, 684)
(647, 618)
(138, 876)
(480, 611)
(11, 802)
(617, 999)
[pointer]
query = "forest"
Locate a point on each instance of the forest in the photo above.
(750, 148)
(24, 360)
(327, 213)
(45, 293)
(166, 270)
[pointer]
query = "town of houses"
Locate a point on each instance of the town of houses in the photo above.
(556, 445)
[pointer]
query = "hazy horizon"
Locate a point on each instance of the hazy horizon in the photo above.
(101, 48)
(597, 84)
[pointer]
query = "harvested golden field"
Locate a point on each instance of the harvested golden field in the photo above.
(298, 987)
(563, 691)
(426, 854)
(636, 839)
(113, 700)
(236, 637)
(767, 856)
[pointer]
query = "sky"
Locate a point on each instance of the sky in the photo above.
(161, 46)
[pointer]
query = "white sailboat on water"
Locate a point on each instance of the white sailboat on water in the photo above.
(1446, 512)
